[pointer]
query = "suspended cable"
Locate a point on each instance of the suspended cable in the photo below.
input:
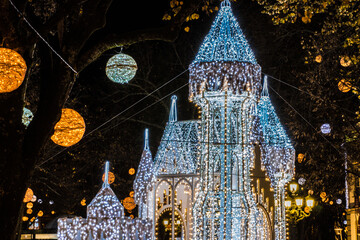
(117, 115)
(43, 39)
(305, 119)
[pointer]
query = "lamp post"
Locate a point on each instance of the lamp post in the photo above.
(297, 207)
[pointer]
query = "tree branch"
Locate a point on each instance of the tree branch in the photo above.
(168, 33)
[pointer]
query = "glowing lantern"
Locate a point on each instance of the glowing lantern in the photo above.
(40, 213)
(129, 203)
(310, 202)
(25, 218)
(111, 177)
(293, 187)
(131, 171)
(132, 216)
(70, 128)
(29, 211)
(287, 203)
(29, 205)
(338, 201)
(28, 195)
(33, 199)
(345, 61)
(344, 86)
(27, 116)
(318, 59)
(12, 70)
(121, 68)
(52, 212)
(83, 202)
(300, 157)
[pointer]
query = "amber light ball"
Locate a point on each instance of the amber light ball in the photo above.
(12, 70)
(111, 177)
(129, 203)
(70, 128)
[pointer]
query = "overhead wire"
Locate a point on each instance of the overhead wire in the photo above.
(117, 115)
(41, 37)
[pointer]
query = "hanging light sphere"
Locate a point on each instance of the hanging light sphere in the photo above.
(301, 157)
(345, 61)
(325, 128)
(70, 128)
(344, 86)
(301, 181)
(12, 70)
(131, 171)
(27, 116)
(338, 201)
(29, 205)
(83, 202)
(111, 177)
(121, 68)
(129, 203)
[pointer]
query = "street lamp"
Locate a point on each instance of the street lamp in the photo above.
(297, 207)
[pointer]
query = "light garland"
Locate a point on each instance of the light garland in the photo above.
(105, 220)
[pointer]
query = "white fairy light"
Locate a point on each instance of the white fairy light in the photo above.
(202, 169)
(105, 220)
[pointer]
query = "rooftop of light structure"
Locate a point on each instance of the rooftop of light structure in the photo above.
(225, 42)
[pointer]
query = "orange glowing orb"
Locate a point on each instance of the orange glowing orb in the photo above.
(53, 212)
(323, 195)
(111, 177)
(29, 205)
(70, 128)
(131, 171)
(29, 211)
(131, 194)
(318, 59)
(40, 213)
(345, 61)
(83, 202)
(28, 195)
(132, 216)
(12, 70)
(25, 218)
(301, 157)
(344, 85)
(129, 203)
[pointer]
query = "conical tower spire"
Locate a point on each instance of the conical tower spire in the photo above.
(224, 54)
(106, 179)
(173, 109)
(146, 140)
(145, 171)
(225, 41)
(265, 91)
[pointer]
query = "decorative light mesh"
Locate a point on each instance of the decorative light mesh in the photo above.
(121, 68)
(105, 220)
(178, 150)
(225, 42)
(27, 116)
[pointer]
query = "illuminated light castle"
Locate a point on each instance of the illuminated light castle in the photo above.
(105, 220)
(222, 176)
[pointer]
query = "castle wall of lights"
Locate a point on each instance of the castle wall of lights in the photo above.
(222, 176)
(105, 220)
